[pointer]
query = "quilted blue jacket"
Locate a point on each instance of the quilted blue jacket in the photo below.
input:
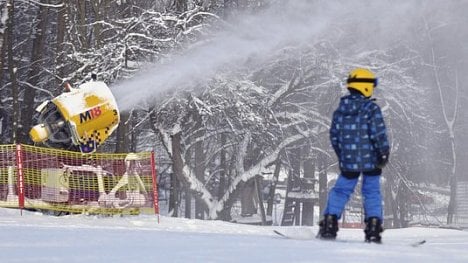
(358, 134)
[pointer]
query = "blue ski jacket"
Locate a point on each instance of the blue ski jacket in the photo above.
(358, 134)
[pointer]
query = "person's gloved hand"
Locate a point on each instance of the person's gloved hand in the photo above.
(382, 160)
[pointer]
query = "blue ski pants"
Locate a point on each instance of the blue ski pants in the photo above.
(344, 187)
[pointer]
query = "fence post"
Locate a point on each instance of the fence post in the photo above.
(155, 186)
(20, 178)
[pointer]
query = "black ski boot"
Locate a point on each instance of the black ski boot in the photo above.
(373, 230)
(328, 227)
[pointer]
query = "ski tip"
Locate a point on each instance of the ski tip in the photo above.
(279, 233)
(416, 244)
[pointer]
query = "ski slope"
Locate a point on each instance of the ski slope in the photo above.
(34, 237)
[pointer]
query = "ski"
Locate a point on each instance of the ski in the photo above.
(313, 237)
(303, 235)
(280, 234)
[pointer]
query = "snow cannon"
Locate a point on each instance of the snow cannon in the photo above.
(80, 118)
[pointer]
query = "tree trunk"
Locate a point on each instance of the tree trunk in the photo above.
(224, 167)
(12, 71)
(248, 207)
(59, 56)
(452, 181)
(133, 133)
(323, 184)
(174, 196)
(82, 26)
(295, 174)
(177, 172)
(188, 204)
(403, 203)
(258, 185)
(388, 202)
(34, 71)
(3, 39)
(3, 44)
(122, 138)
(452, 199)
(308, 207)
(225, 213)
(96, 4)
(200, 207)
(271, 194)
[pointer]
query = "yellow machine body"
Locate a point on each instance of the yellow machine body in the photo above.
(90, 114)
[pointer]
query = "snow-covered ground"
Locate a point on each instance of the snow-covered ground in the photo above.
(34, 237)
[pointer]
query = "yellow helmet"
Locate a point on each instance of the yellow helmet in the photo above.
(362, 80)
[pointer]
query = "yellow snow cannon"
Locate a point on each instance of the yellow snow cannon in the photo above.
(84, 117)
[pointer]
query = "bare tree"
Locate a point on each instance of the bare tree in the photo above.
(35, 69)
(3, 35)
(450, 110)
(12, 71)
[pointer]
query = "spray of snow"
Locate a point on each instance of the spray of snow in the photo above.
(363, 25)
(249, 38)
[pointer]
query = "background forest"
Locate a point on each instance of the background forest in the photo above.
(230, 93)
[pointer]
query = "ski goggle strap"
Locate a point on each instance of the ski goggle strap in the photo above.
(365, 80)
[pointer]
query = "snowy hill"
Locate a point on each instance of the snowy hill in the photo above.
(34, 237)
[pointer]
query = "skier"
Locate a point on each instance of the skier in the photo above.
(359, 138)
